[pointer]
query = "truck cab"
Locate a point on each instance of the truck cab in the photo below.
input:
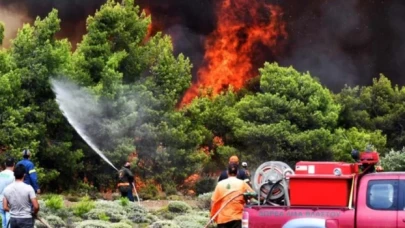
(328, 195)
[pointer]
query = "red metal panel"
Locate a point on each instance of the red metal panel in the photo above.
(320, 190)
(307, 167)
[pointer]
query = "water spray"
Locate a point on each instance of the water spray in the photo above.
(64, 97)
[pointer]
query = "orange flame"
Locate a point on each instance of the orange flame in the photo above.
(230, 56)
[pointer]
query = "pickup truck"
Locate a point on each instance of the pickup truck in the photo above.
(378, 201)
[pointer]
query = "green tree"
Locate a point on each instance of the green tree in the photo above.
(141, 82)
(394, 160)
(291, 119)
(35, 121)
(376, 107)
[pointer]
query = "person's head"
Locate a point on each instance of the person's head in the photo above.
(127, 165)
(10, 162)
(244, 164)
(19, 172)
(234, 160)
(232, 169)
(26, 153)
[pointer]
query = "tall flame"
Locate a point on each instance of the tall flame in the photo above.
(242, 26)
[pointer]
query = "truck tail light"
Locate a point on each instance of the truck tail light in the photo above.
(245, 220)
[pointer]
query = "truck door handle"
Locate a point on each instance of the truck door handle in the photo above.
(403, 220)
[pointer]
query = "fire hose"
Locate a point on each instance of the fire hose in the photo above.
(136, 193)
(223, 206)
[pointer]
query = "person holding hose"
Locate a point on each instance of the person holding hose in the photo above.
(125, 184)
(227, 200)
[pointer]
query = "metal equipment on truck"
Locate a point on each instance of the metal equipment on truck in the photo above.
(327, 195)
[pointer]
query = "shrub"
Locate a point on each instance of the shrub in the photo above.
(54, 202)
(84, 206)
(394, 160)
(121, 225)
(93, 224)
(174, 197)
(205, 184)
(204, 201)
(170, 189)
(103, 216)
(164, 224)
(138, 214)
(165, 213)
(55, 221)
(178, 207)
(149, 192)
(113, 215)
(124, 201)
(191, 221)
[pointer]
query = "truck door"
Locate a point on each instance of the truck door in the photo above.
(377, 204)
(401, 203)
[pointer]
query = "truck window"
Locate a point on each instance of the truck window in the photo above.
(382, 194)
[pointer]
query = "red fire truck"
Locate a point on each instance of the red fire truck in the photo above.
(327, 195)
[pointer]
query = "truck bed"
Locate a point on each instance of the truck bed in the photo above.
(278, 216)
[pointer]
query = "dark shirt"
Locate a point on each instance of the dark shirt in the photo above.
(125, 175)
(241, 175)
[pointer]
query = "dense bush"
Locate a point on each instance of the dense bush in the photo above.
(164, 224)
(82, 207)
(394, 160)
(205, 184)
(149, 192)
(204, 201)
(191, 221)
(93, 224)
(54, 202)
(178, 207)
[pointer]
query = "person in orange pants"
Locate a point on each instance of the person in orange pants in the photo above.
(228, 201)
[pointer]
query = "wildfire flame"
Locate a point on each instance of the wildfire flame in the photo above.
(230, 55)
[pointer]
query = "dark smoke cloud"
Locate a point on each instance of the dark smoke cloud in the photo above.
(339, 41)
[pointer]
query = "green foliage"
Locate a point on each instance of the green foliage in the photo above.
(394, 160)
(54, 202)
(93, 224)
(55, 221)
(121, 225)
(291, 117)
(205, 184)
(169, 188)
(178, 207)
(204, 201)
(124, 201)
(191, 221)
(164, 224)
(149, 192)
(376, 107)
(84, 206)
(102, 216)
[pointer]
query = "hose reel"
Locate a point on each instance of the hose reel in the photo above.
(269, 181)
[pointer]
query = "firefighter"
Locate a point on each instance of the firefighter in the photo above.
(227, 200)
(247, 172)
(241, 173)
(30, 177)
(126, 179)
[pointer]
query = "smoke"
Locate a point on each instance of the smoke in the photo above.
(340, 42)
(81, 110)
(12, 19)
